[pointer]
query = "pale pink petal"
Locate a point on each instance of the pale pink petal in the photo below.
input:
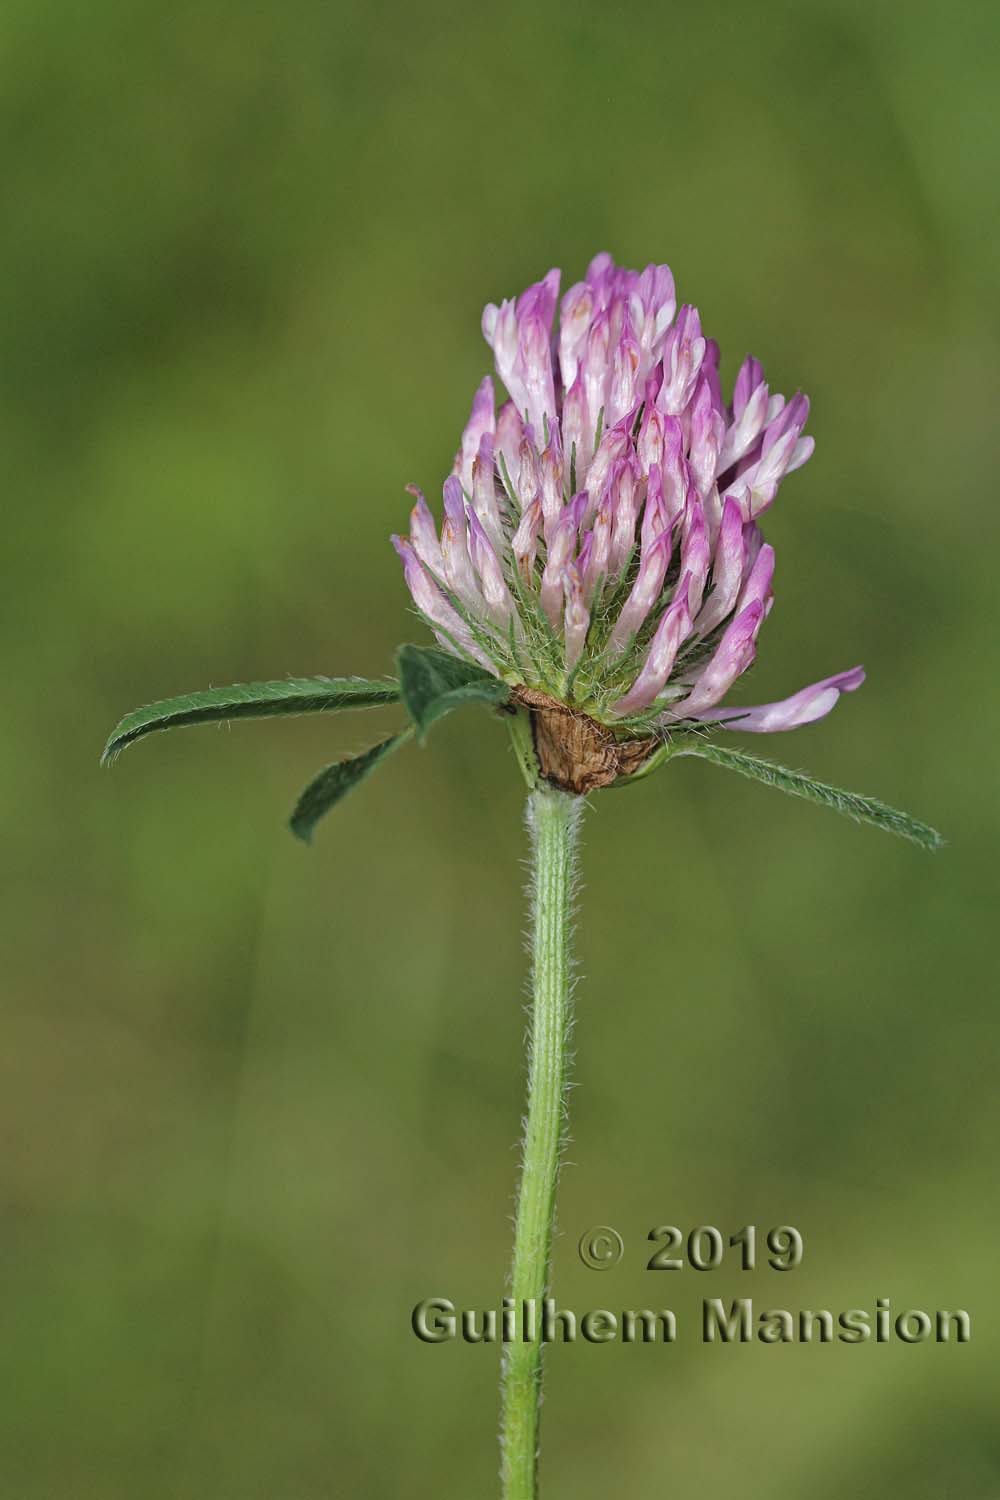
(813, 702)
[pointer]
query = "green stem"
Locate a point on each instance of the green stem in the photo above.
(553, 820)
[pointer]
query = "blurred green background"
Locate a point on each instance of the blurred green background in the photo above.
(258, 1100)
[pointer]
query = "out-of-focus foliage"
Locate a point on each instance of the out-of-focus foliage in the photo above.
(258, 1099)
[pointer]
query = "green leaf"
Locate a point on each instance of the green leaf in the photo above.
(432, 683)
(250, 700)
(335, 781)
(796, 784)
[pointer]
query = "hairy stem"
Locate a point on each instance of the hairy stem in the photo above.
(553, 821)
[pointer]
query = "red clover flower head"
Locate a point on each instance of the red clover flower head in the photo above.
(600, 546)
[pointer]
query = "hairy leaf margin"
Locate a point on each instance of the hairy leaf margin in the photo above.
(249, 700)
(853, 805)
